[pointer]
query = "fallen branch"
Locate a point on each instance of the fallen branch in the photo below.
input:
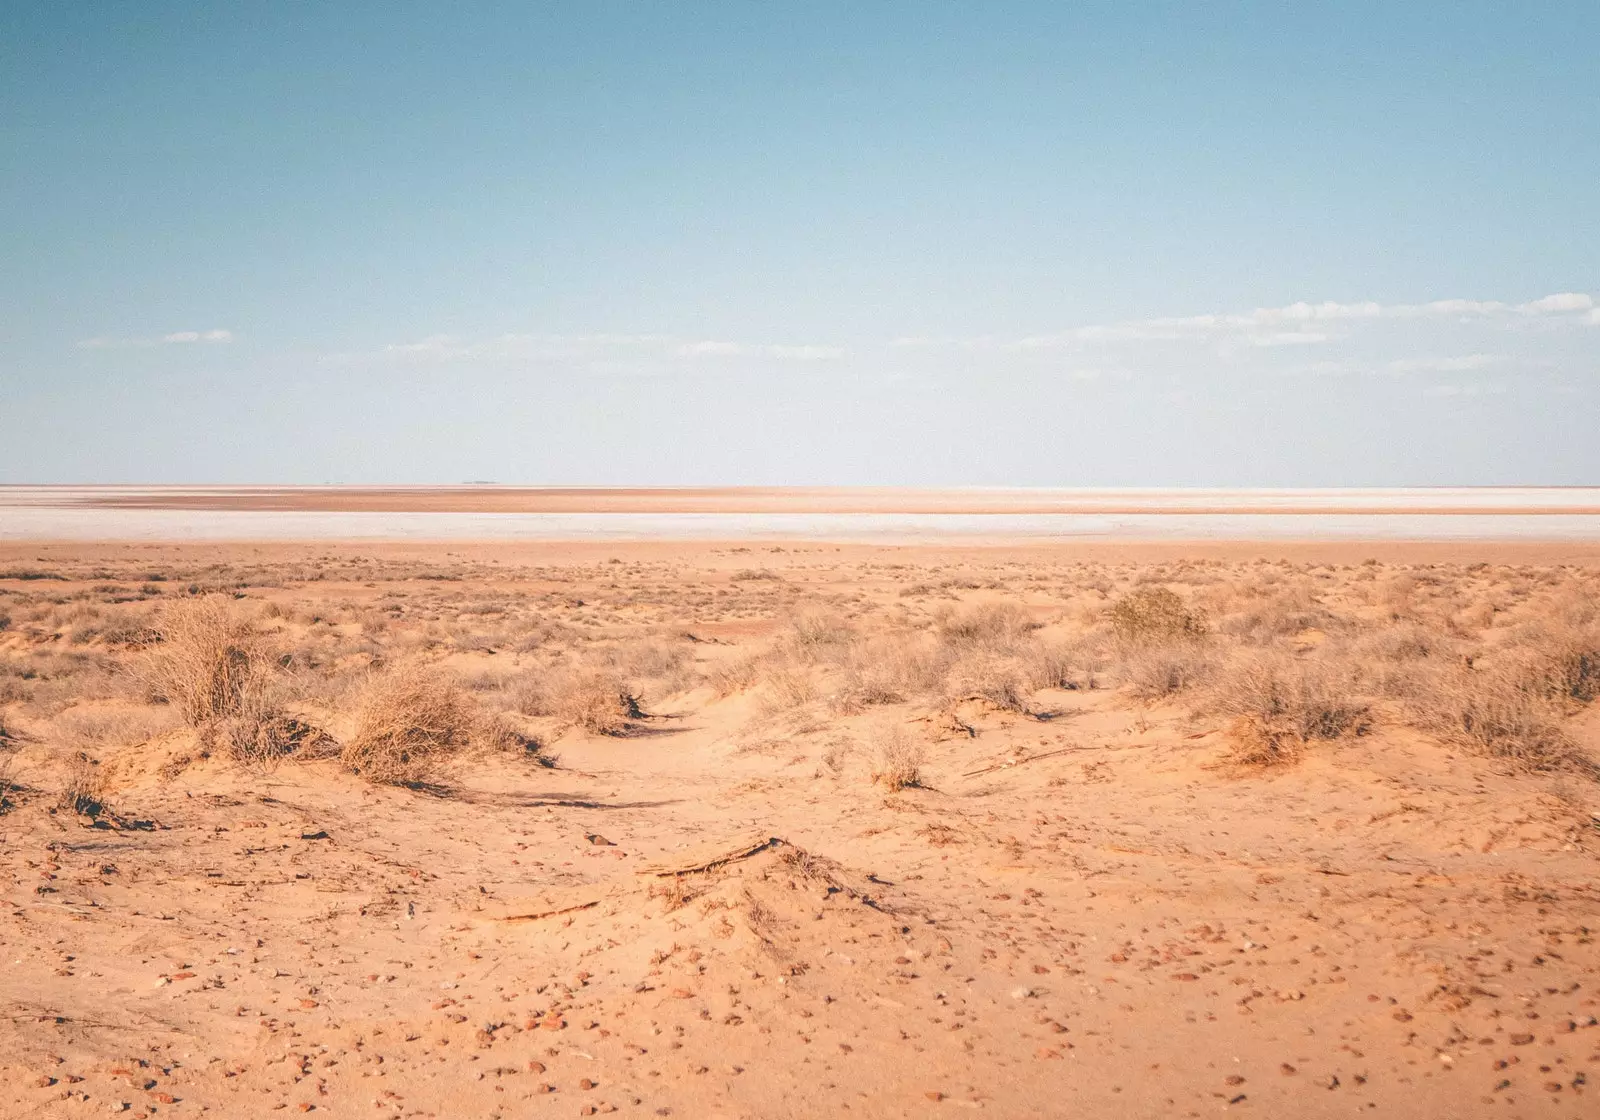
(1024, 761)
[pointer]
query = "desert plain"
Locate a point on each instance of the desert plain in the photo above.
(792, 829)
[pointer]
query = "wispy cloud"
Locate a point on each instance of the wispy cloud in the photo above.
(1460, 363)
(596, 348)
(1300, 323)
(174, 338)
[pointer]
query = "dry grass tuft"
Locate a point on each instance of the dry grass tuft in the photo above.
(1280, 704)
(412, 723)
(211, 661)
(598, 702)
(9, 787)
(994, 626)
(1161, 672)
(83, 791)
(900, 759)
(1505, 711)
(1153, 614)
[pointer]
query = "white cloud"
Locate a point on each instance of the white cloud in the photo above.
(1561, 301)
(1288, 338)
(1256, 325)
(1463, 390)
(1458, 364)
(595, 349)
(216, 334)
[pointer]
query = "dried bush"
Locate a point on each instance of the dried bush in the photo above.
(1153, 614)
(735, 674)
(993, 678)
(1565, 661)
(814, 636)
(596, 701)
(411, 724)
(787, 685)
(83, 790)
(261, 739)
(899, 760)
(1505, 711)
(211, 662)
(994, 626)
(1160, 672)
(1281, 703)
(1060, 665)
(9, 787)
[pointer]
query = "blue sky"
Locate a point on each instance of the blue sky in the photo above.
(933, 243)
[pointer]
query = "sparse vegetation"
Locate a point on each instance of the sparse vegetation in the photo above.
(899, 760)
(83, 787)
(1153, 614)
(413, 722)
(211, 661)
(1280, 704)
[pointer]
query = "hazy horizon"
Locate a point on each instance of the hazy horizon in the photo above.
(603, 244)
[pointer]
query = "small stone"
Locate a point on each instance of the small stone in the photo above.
(1521, 1039)
(934, 1095)
(585, 1083)
(1287, 1069)
(1233, 1079)
(1401, 1015)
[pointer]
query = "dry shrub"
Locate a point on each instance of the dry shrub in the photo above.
(899, 760)
(995, 626)
(1066, 665)
(1504, 711)
(1290, 612)
(83, 789)
(995, 679)
(1401, 641)
(262, 739)
(1153, 614)
(411, 724)
(211, 661)
(735, 674)
(1160, 672)
(888, 670)
(1254, 742)
(814, 636)
(787, 685)
(1280, 704)
(9, 787)
(1565, 661)
(596, 701)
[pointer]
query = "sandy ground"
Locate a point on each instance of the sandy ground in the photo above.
(1083, 912)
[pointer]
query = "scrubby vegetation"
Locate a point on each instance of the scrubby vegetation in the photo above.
(400, 670)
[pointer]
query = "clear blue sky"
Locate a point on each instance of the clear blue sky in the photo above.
(937, 243)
